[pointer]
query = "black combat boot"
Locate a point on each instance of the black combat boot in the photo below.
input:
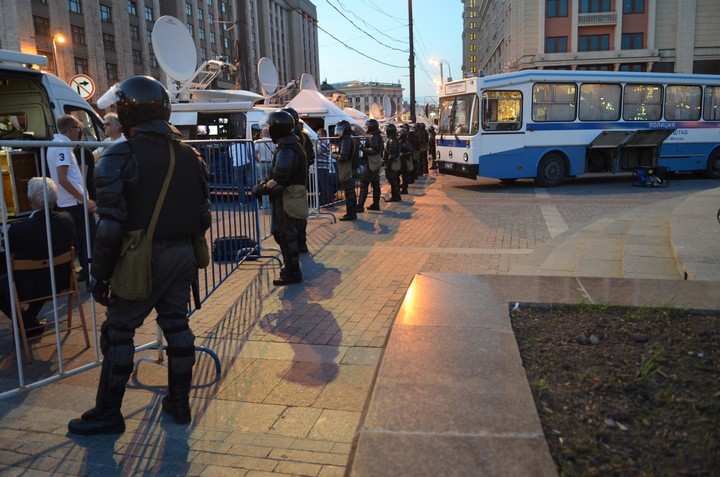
(177, 402)
(105, 417)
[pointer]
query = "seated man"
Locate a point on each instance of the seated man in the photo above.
(28, 241)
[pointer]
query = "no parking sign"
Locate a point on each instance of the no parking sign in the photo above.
(83, 85)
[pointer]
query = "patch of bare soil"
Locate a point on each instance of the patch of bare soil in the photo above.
(625, 391)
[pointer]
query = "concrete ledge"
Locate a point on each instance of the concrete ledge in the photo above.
(451, 396)
(695, 236)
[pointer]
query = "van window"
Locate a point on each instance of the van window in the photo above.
(91, 130)
(12, 124)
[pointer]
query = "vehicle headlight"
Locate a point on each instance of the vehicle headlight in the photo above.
(466, 157)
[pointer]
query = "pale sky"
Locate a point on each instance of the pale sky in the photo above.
(437, 32)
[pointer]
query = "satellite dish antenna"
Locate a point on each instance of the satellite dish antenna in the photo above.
(307, 82)
(375, 111)
(174, 48)
(268, 76)
(387, 105)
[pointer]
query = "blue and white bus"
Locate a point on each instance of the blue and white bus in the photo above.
(552, 124)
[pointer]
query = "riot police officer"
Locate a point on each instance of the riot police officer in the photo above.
(373, 151)
(129, 177)
(392, 162)
(406, 160)
(346, 156)
(288, 169)
(309, 150)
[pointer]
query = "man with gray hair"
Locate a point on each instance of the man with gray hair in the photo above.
(28, 241)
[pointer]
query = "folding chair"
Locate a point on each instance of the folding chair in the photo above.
(71, 291)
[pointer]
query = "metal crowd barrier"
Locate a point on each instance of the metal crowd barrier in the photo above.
(235, 214)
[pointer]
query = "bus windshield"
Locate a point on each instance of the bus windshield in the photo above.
(459, 115)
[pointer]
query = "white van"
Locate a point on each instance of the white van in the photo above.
(31, 100)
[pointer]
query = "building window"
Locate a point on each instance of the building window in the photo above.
(223, 7)
(556, 44)
(132, 7)
(200, 14)
(42, 26)
(226, 42)
(594, 43)
(682, 103)
(188, 9)
(636, 67)
(137, 57)
(473, 47)
(711, 106)
(472, 13)
(632, 41)
(78, 35)
(81, 66)
(212, 38)
(594, 6)
(203, 53)
(105, 13)
(149, 16)
(554, 101)
(75, 6)
(642, 102)
(473, 25)
(108, 41)
(473, 36)
(191, 30)
(633, 6)
(153, 60)
(211, 18)
(557, 8)
(112, 72)
(149, 36)
(201, 33)
(134, 32)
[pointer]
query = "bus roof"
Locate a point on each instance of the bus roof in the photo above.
(527, 76)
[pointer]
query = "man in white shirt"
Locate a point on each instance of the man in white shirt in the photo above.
(71, 192)
(241, 157)
(113, 131)
(264, 150)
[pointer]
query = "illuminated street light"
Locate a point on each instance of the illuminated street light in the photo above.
(57, 38)
(440, 62)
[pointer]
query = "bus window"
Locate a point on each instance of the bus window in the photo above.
(599, 102)
(466, 115)
(554, 101)
(643, 102)
(682, 102)
(712, 104)
(446, 113)
(502, 110)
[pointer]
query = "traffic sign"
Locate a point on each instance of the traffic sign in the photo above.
(83, 85)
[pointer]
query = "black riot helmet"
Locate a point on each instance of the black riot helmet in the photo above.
(292, 113)
(391, 130)
(139, 99)
(403, 134)
(372, 126)
(280, 124)
(342, 128)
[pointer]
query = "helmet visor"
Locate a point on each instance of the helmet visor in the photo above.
(110, 97)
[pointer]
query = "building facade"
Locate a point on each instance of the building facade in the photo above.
(109, 40)
(362, 95)
(627, 35)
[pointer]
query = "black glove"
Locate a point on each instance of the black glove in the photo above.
(258, 190)
(101, 292)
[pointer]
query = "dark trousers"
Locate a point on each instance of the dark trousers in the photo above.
(393, 178)
(81, 239)
(370, 177)
(350, 196)
(284, 230)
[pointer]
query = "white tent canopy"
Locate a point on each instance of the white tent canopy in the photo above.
(356, 114)
(311, 104)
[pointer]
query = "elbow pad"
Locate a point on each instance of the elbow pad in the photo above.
(108, 241)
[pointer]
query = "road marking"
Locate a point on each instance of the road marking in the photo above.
(553, 220)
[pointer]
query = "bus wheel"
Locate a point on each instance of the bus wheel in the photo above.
(551, 171)
(713, 165)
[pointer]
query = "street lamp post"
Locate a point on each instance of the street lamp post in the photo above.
(440, 62)
(57, 38)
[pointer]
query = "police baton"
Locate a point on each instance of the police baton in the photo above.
(196, 293)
